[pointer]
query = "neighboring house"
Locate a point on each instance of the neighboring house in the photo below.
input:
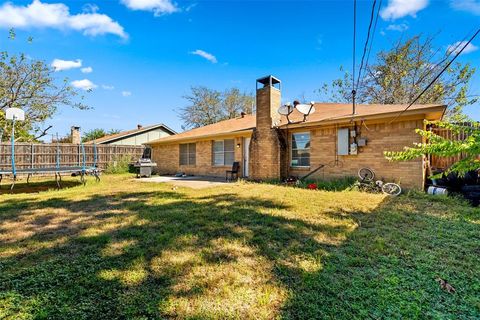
(268, 147)
(137, 137)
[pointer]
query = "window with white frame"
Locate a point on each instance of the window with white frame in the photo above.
(300, 156)
(188, 154)
(223, 152)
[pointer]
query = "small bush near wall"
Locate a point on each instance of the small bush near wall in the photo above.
(119, 165)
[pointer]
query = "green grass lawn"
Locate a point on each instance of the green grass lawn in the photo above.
(123, 249)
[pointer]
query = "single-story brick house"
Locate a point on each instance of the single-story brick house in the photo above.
(269, 147)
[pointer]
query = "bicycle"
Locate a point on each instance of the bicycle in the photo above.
(368, 184)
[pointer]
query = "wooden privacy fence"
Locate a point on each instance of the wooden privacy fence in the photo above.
(36, 155)
(445, 162)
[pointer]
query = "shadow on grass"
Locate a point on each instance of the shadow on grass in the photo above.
(156, 254)
(34, 186)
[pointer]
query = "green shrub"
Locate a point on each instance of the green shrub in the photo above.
(345, 183)
(119, 165)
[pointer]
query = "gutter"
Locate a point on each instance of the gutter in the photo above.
(195, 138)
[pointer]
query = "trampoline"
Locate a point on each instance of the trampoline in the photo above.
(82, 170)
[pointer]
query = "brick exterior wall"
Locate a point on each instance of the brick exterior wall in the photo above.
(381, 137)
(266, 145)
(270, 149)
(167, 157)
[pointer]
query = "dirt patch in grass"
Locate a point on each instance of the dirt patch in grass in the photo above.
(121, 249)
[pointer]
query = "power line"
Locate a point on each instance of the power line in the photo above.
(438, 75)
(366, 42)
(354, 40)
(373, 37)
(449, 52)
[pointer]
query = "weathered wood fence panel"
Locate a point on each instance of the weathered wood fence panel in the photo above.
(445, 162)
(36, 155)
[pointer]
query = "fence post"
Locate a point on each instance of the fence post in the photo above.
(32, 155)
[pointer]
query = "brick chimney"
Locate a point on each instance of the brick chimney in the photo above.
(75, 135)
(267, 148)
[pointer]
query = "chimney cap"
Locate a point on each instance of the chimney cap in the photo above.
(269, 81)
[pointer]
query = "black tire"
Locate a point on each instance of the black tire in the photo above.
(366, 174)
(471, 188)
(391, 189)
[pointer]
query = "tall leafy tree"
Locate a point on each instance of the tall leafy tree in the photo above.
(30, 85)
(399, 74)
(207, 106)
(97, 134)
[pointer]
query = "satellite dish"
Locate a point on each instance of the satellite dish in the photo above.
(15, 114)
(285, 110)
(305, 109)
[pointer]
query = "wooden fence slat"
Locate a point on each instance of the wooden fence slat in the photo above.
(38, 155)
(445, 162)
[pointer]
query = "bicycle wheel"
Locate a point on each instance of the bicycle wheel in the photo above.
(366, 174)
(392, 189)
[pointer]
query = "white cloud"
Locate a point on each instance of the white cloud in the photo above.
(107, 87)
(158, 7)
(57, 16)
(59, 64)
(457, 46)
(126, 93)
(401, 8)
(210, 57)
(84, 84)
(472, 6)
(398, 27)
(87, 70)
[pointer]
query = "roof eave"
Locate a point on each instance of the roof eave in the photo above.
(168, 140)
(430, 113)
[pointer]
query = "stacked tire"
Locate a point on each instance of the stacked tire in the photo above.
(472, 194)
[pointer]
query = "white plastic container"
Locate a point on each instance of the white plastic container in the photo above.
(437, 190)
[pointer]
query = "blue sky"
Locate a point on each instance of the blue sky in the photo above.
(144, 55)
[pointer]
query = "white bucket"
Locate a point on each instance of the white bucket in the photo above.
(437, 190)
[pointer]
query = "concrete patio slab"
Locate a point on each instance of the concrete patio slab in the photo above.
(194, 182)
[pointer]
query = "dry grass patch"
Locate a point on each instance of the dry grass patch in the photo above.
(126, 250)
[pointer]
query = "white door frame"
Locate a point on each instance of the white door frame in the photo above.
(246, 156)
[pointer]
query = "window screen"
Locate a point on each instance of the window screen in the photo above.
(223, 152)
(188, 154)
(300, 150)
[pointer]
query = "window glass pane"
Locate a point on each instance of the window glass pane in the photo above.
(218, 146)
(192, 147)
(183, 148)
(300, 150)
(191, 159)
(229, 158)
(229, 145)
(218, 159)
(183, 159)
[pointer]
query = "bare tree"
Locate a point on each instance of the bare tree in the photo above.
(399, 74)
(207, 106)
(30, 85)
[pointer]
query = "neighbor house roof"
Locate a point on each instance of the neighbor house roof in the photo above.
(129, 133)
(325, 113)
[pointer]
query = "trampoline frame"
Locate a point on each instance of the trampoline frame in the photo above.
(82, 170)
